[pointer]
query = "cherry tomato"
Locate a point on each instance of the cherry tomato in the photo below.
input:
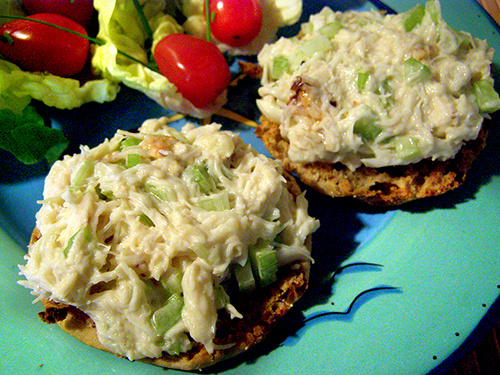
(78, 10)
(235, 22)
(196, 67)
(38, 48)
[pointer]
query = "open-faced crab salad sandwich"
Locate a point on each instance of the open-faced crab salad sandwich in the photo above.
(385, 108)
(178, 248)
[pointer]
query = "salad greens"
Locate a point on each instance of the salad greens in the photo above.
(115, 17)
(27, 138)
(22, 129)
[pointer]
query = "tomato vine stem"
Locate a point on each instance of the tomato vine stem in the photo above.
(208, 20)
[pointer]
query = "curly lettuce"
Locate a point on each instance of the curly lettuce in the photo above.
(121, 29)
(18, 87)
(23, 132)
(278, 13)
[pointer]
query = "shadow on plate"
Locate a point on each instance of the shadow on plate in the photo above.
(333, 243)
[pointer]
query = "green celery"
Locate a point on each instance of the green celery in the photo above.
(432, 10)
(215, 202)
(414, 71)
(83, 231)
(132, 160)
(264, 263)
(487, 98)
(330, 29)
(319, 44)
(166, 317)
(414, 18)
(407, 148)
(279, 67)
(129, 142)
(173, 283)
(362, 80)
(177, 135)
(365, 126)
(146, 220)
(221, 297)
(244, 277)
(104, 195)
(199, 174)
(163, 192)
(85, 170)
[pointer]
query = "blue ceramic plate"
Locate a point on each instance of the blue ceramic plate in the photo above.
(442, 254)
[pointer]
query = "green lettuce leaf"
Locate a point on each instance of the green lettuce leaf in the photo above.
(18, 87)
(28, 139)
(22, 130)
(121, 28)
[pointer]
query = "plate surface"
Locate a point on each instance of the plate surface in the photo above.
(441, 253)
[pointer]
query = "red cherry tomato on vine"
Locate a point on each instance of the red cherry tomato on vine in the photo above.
(78, 10)
(38, 48)
(235, 22)
(196, 67)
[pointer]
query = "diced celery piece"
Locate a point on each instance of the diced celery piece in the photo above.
(264, 263)
(407, 148)
(199, 173)
(177, 135)
(362, 80)
(464, 40)
(83, 231)
(307, 27)
(330, 29)
(215, 202)
(365, 126)
(319, 44)
(146, 220)
(103, 194)
(487, 98)
(163, 192)
(244, 277)
(85, 170)
(432, 10)
(174, 348)
(173, 283)
(203, 252)
(221, 297)
(280, 66)
(297, 59)
(166, 317)
(128, 142)
(132, 160)
(414, 18)
(415, 71)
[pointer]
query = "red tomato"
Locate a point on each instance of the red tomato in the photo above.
(235, 22)
(196, 67)
(38, 48)
(77, 10)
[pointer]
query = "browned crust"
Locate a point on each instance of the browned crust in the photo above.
(250, 69)
(376, 186)
(260, 313)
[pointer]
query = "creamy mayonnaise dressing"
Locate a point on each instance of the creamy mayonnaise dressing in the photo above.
(122, 220)
(361, 88)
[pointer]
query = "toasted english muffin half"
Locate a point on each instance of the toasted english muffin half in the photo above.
(261, 313)
(377, 186)
(369, 105)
